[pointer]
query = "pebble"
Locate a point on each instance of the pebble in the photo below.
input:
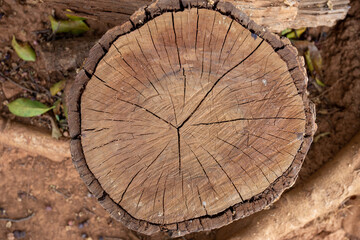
(19, 234)
(71, 222)
(8, 224)
(83, 224)
(10, 89)
(2, 211)
(10, 236)
(14, 66)
(48, 208)
(7, 56)
(24, 74)
(84, 235)
(101, 238)
(254, 36)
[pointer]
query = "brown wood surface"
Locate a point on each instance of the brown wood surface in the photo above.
(276, 15)
(192, 119)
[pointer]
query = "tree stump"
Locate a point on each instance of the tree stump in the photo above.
(189, 117)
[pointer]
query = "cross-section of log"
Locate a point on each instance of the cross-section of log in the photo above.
(189, 117)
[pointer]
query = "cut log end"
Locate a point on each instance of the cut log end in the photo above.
(192, 119)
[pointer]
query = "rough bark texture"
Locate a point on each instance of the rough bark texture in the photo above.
(276, 15)
(189, 117)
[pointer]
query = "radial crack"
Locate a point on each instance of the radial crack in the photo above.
(137, 105)
(247, 119)
(216, 82)
(227, 175)
(179, 145)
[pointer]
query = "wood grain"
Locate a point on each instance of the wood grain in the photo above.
(190, 120)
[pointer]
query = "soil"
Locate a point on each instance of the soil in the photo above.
(54, 191)
(338, 106)
(341, 224)
(63, 207)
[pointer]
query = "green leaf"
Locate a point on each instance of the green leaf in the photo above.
(309, 61)
(24, 107)
(316, 58)
(57, 106)
(65, 111)
(24, 51)
(55, 131)
(296, 34)
(57, 87)
(319, 82)
(74, 27)
(73, 17)
(286, 31)
(321, 135)
(313, 61)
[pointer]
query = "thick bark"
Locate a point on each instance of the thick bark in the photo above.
(276, 15)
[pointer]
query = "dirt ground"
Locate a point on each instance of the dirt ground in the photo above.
(338, 106)
(63, 207)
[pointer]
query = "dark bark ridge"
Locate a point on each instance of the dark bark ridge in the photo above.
(281, 46)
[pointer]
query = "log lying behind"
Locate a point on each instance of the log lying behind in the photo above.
(33, 140)
(189, 117)
(114, 12)
(325, 192)
(276, 15)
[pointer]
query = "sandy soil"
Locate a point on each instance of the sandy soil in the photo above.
(338, 107)
(63, 207)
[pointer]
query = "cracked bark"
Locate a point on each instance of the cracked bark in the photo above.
(171, 118)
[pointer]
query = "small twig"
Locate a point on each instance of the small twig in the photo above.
(327, 90)
(20, 86)
(113, 238)
(47, 92)
(133, 236)
(88, 211)
(18, 219)
(41, 31)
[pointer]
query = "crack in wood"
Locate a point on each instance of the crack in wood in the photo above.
(176, 43)
(216, 82)
(202, 167)
(155, 115)
(247, 119)
(203, 204)
(227, 175)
